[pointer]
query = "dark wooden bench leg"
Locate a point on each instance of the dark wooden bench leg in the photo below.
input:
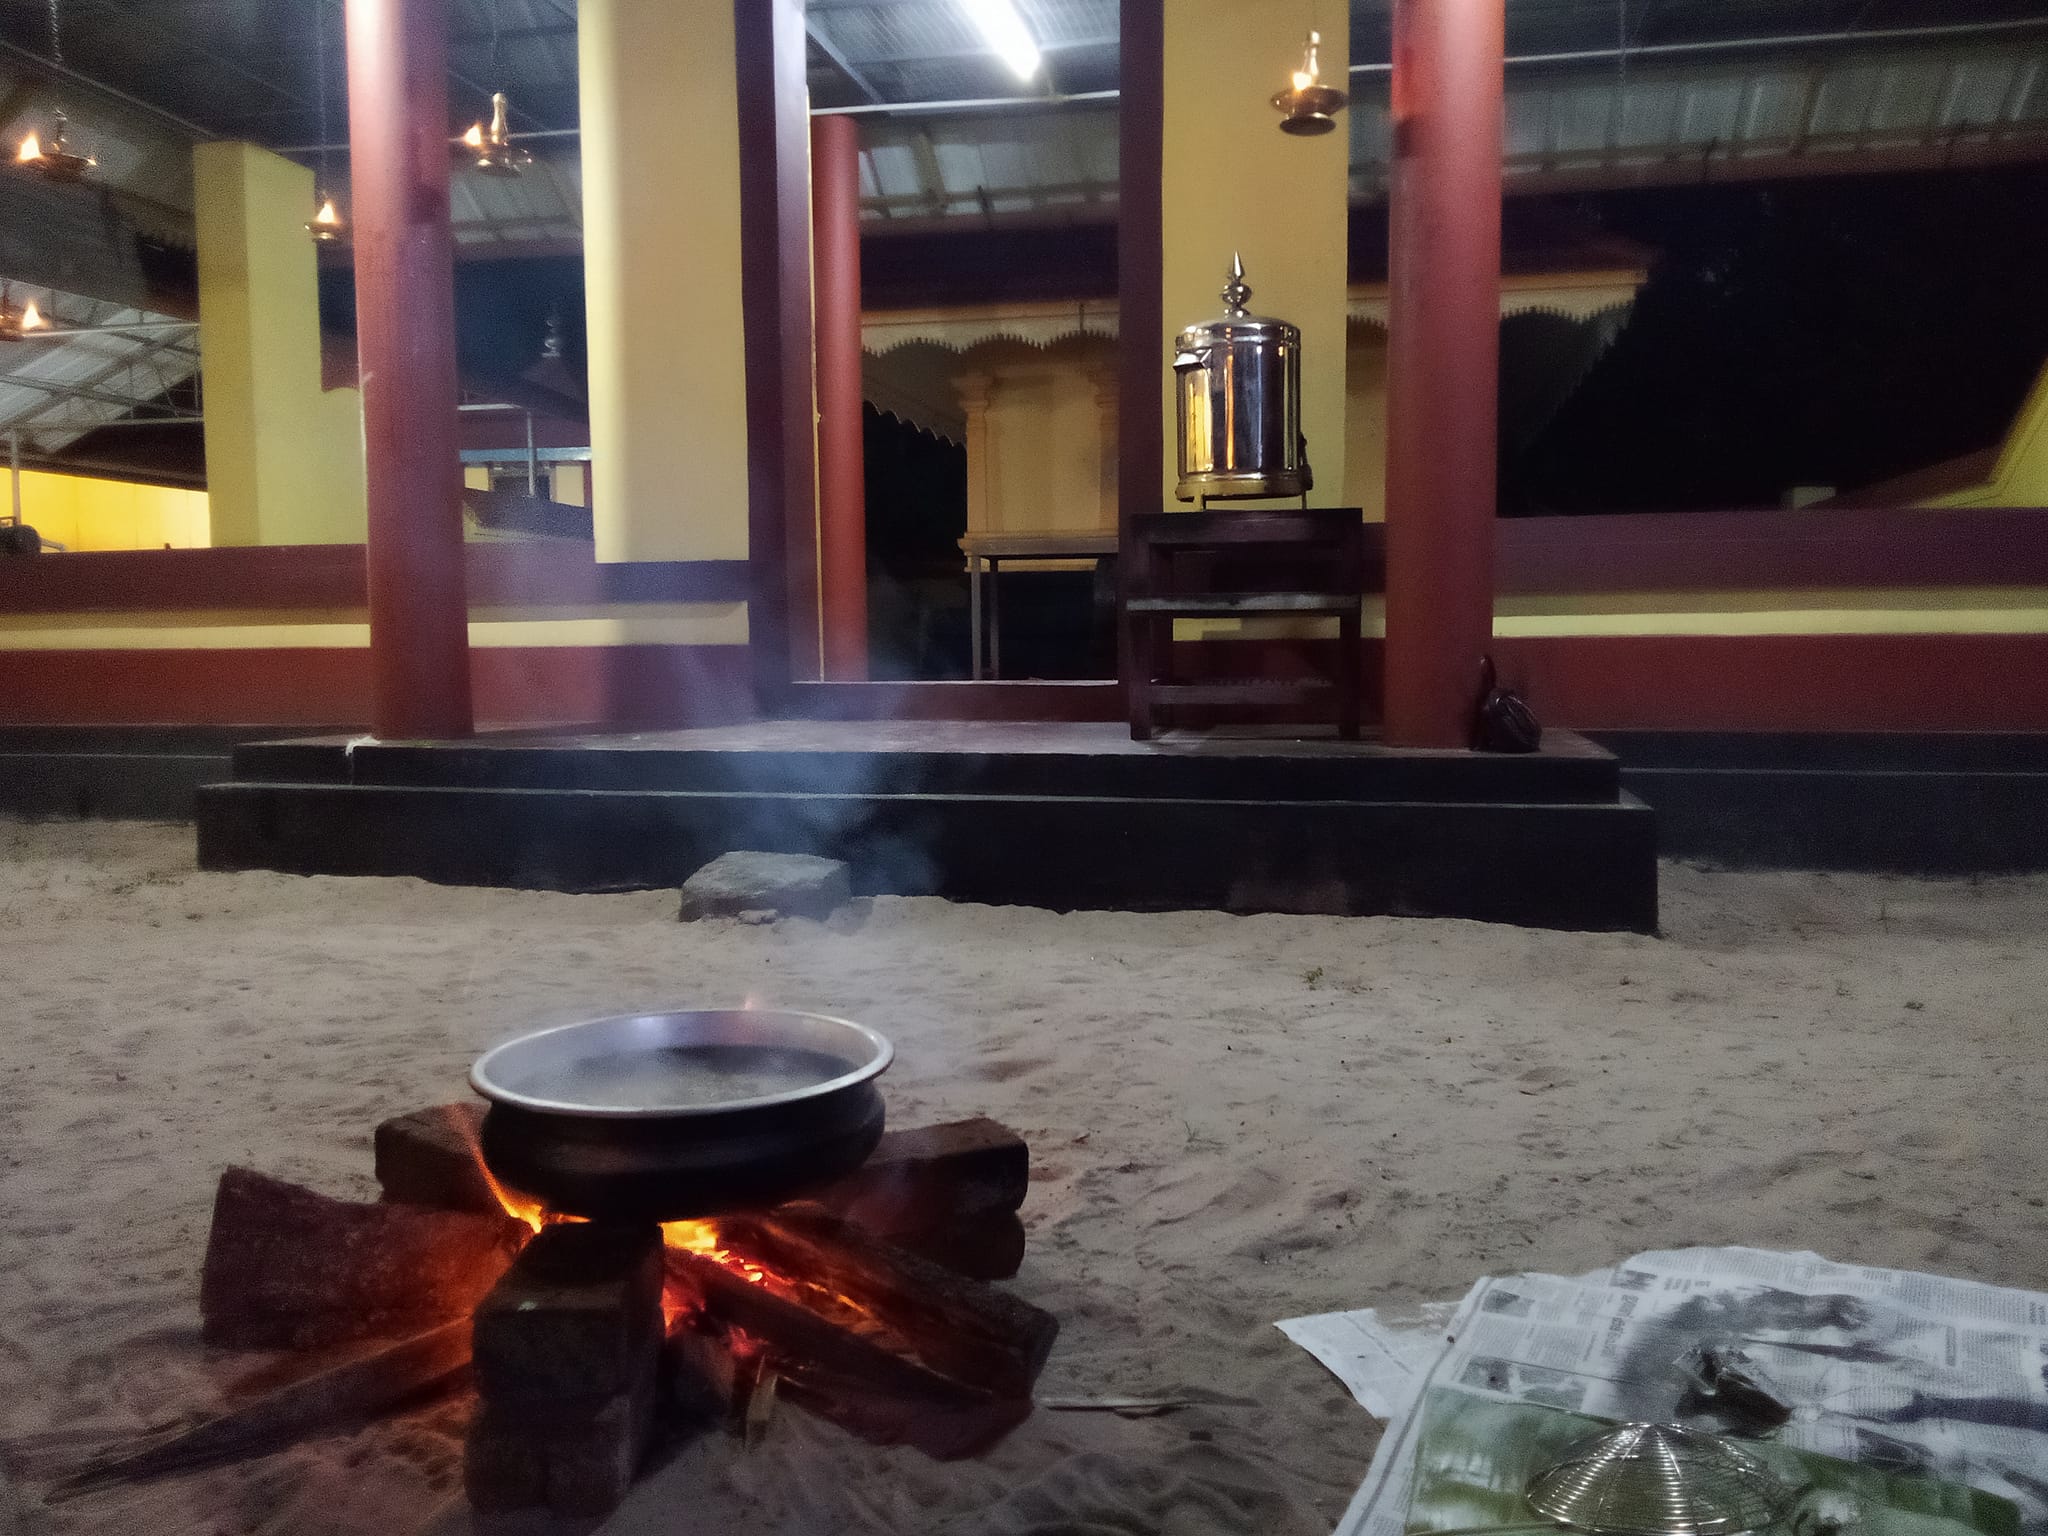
(1144, 645)
(1141, 681)
(1350, 663)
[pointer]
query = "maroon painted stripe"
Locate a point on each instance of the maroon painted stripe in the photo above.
(1749, 551)
(1647, 682)
(327, 576)
(1909, 547)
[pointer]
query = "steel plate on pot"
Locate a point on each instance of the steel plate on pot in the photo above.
(668, 1115)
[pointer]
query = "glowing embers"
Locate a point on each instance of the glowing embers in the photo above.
(50, 155)
(490, 147)
(1307, 106)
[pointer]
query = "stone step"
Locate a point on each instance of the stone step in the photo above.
(1076, 761)
(1564, 864)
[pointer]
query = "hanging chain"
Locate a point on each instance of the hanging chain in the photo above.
(1617, 114)
(319, 85)
(56, 36)
(1621, 43)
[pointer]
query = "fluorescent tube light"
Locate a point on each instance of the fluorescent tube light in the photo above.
(1004, 31)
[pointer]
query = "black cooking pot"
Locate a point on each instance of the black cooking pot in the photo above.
(667, 1115)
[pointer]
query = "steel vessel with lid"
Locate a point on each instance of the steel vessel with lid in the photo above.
(1238, 394)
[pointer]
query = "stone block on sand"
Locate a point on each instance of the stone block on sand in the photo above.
(792, 884)
(577, 1316)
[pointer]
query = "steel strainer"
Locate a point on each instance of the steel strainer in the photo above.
(1658, 1480)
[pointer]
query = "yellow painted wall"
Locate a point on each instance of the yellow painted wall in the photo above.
(84, 513)
(1232, 181)
(661, 266)
(1041, 438)
(569, 484)
(1897, 611)
(239, 629)
(2021, 476)
(1365, 422)
(284, 458)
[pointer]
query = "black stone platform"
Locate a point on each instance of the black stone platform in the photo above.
(116, 772)
(1055, 815)
(1956, 803)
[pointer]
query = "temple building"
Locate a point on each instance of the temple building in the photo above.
(410, 368)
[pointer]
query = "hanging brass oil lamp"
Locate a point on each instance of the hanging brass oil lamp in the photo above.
(1308, 106)
(491, 148)
(50, 157)
(18, 323)
(327, 226)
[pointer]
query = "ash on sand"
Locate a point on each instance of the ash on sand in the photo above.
(1235, 1119)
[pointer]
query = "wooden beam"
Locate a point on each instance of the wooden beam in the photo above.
(1141, 148)
(769, 44)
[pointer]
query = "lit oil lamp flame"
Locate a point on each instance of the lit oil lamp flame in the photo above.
(327, 224)
(52, 157)
(491, 147)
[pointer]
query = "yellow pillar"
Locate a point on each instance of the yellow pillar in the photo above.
(284, 458)
(661, 272)
(1233, 182)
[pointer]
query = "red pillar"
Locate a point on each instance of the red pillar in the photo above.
(1443, 364)
(842, 460)
(405, 339)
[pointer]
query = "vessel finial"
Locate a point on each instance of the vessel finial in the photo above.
(1235, 292)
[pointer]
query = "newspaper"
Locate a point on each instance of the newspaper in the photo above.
(1888, 1368)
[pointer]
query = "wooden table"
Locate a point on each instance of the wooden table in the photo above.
(990, 550)
(1237, 564)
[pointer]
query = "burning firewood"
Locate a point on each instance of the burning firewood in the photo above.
(948, 1193)
(876, 1339)
(287, 1267)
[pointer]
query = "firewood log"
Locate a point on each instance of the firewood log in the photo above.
(933, 1176)
(839, 1307)
(287, 1267)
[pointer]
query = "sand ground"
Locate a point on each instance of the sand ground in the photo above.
(1233, 1120)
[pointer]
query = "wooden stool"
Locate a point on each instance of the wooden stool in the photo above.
(1242, 564)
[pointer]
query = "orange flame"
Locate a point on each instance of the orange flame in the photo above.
(703, 1239)
(525, 1207)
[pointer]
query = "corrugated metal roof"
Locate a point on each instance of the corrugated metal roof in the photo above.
(1586, 120)
(1593, 125)
(1754, 114)
(929, 50)
(57, 388)
(545, 203)
(989, 165)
